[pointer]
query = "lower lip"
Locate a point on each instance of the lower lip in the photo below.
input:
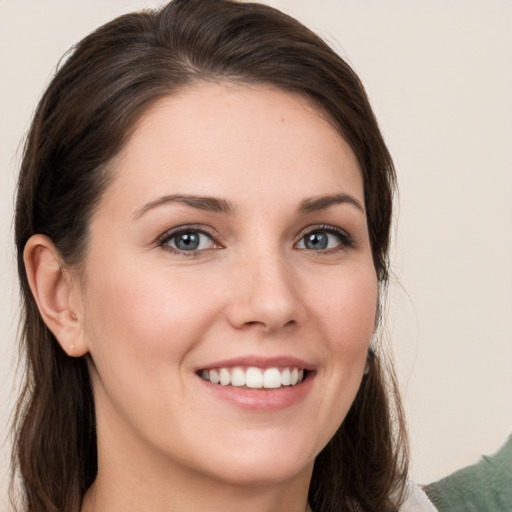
(262, 400)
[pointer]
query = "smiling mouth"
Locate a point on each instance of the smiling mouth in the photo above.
(255, 378)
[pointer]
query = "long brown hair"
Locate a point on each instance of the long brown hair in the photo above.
(107, 82)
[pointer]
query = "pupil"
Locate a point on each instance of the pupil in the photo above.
(187, 241)
(316, 241)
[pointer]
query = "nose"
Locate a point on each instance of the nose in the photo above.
(265, 294)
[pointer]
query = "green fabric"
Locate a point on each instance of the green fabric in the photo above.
(483, 487)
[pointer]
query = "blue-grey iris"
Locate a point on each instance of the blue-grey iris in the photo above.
(316, 241)
(187, 241)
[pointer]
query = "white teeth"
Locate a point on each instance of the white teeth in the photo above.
(285, 377)
(253, 377)
(225, 377)
(237, 377)
(272, 378)
(214, 377)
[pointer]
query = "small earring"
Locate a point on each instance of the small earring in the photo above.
(72, 347)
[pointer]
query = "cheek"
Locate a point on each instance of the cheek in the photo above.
(146, 315)
(141, 327)
(345, 311)
(346, 308)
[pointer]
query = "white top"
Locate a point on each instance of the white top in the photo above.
(416, 501)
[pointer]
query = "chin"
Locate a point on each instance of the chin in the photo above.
(266, 471)
(263, 461)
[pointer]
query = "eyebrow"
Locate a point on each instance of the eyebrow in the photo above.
(211, 204)
(314, 204)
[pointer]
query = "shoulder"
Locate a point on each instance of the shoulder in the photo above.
(416, 500)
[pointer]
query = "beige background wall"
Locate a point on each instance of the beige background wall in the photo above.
(439, 75)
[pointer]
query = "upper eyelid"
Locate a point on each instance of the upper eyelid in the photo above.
(188, 227)
(323, 227)
(346, 240)
(164, 237)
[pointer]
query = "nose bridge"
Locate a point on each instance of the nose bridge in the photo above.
(266, 293)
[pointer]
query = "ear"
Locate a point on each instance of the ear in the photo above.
(56, 293)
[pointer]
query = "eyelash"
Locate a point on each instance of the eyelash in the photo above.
(345, 240)
(164, 240)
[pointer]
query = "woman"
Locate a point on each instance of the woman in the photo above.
(202, 227)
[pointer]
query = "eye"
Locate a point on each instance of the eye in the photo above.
(325, 239)
(188, 240)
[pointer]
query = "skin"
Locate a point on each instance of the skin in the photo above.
(149, 316)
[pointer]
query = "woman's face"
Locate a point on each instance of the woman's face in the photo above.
(231, 244)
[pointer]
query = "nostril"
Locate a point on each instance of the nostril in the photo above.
(268, 326)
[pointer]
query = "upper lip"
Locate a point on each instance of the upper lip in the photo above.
(260, 362)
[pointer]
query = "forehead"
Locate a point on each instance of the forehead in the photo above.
(226, 139)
